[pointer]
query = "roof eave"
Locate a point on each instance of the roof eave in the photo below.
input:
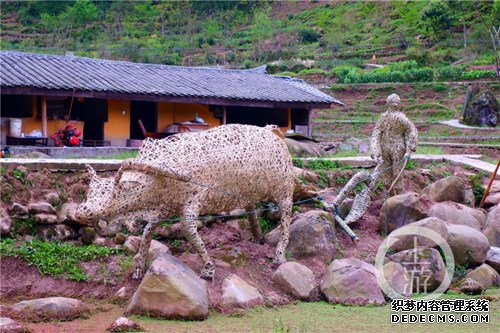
(29, 90)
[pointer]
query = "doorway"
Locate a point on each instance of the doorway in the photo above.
(147, 113)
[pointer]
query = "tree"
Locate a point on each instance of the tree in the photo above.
(438, 17)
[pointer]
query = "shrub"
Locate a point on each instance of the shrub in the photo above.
(477, 74)
(312, 71)
(309, 36)
(291, 74)
(448, 73)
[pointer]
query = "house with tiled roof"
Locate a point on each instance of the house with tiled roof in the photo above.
(107, 98)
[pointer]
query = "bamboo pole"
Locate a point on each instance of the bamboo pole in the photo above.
(489, 185)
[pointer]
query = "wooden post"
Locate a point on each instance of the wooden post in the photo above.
(289, 118)
(309, 123)
(224, 115)
(44, 116)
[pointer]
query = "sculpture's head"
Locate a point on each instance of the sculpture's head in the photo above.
(98, 198)
(393, 102)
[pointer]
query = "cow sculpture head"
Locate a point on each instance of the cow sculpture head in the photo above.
(111, 197)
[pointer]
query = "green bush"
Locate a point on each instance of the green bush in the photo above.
(309, 36)
(55, 258)
(477, 74)
(291, 74)
(312, 71)
(448, 73)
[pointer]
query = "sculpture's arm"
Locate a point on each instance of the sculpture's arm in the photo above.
(375, 142)
(411, 137)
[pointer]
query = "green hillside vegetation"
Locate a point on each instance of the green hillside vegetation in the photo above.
(308, 38)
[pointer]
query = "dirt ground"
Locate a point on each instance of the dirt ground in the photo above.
(251, 261)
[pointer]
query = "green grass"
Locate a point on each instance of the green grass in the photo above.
(316, 317)
(430, 150)
(55, 258)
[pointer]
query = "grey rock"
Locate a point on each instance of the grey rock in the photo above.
(170, 290)
(397, 278)
(43, 218)
(485, 275)
(56, 232)
(311, 235)
(493, 258)
(427, 267)
(456, 213)
(351, 281)
(491, 228)
(8, 325)
(304, 148)
(5, 222)
(67, 212)
(237, 293)
(296, 280)
(62, 308)
(405, 242)
(469, 246)
(123, 324)
(52, 198)
(447, 189)
(108, 229)
(41, 207)
(402, 209)
(87, 235)
(18, 209)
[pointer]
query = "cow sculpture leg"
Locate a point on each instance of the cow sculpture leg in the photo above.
(286, 214)
(147, 236)
(190, 230)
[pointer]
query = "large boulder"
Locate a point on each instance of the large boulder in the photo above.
(468, 245)
(5, 222)
(405, 242)
(397, 278)
(493, 258)
(456, 213)
(8, 325)
(485, 276)
(239, 294)
(170, 290)
(351, 281)
(56, 232)
(61, 308)
(41, 207)
(155, 249)
(482, 110)
(426, 265)
(447, 189)
(491, 228)
(296, 280)
(311, 235)
(304, 148)
(402, 209)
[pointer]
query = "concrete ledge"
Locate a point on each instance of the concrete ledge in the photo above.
(61, 164)
(471, 161)
(62, 152)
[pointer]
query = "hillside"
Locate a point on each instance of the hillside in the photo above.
(293, 35)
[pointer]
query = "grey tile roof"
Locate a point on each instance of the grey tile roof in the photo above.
(20, 69)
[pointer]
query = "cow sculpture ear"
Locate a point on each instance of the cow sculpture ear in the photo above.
(91, 171)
